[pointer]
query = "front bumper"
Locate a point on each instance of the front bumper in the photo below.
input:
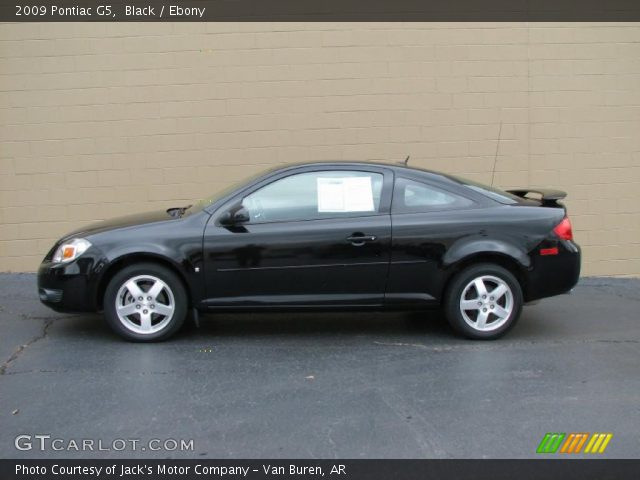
(73, 286)
(48, 295)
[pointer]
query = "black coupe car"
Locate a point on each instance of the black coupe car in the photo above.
(322, 235)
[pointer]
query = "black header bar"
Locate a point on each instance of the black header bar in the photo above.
(548, 469)
(320, 10)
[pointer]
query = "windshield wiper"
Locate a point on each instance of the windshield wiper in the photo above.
(178, 212)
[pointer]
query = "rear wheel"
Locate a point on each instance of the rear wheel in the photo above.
(145, 303)
(483, 302)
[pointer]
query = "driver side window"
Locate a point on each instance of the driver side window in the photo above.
(316, 195)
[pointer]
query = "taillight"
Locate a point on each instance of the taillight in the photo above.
(563, 229)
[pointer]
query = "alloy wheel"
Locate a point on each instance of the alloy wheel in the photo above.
(145, 304)
(486, 303)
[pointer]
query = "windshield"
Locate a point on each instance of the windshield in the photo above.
(491, 192)
(205, 202)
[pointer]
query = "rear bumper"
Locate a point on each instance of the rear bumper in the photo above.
(71, 287)
(553, 274)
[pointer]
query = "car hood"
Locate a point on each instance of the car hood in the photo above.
(122, 222)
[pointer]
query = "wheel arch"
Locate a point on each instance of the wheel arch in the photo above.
(131, 259)
(501, 259)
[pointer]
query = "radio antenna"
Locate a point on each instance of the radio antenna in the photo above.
(406, 160)
(495, 158)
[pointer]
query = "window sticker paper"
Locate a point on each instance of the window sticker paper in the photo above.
(346, 194)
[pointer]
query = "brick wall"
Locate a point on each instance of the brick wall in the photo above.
(98, 120)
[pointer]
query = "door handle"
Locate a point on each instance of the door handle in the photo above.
(359, 239)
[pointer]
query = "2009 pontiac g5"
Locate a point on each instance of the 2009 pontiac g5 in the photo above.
(325, 236)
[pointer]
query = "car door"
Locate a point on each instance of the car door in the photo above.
(310, 236)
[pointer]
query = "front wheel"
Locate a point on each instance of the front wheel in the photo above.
(145, 303)
(483, 302)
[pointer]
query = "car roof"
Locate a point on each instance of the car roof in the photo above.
(399, 167)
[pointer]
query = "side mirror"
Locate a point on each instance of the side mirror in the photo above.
(241, 216)
(235, 216)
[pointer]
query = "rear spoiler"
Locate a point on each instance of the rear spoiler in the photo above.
(548, 196)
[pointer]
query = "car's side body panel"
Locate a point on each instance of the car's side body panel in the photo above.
(427, 247)
(307, 262)
(176, 243)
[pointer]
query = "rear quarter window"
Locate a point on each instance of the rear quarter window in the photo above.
(411, 196)
(490, 192)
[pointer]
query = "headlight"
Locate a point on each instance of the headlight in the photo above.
(70, 250)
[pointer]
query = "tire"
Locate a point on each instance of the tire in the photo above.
(159, 314)
(488, 316)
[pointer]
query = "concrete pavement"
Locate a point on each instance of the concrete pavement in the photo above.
(316, 385)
